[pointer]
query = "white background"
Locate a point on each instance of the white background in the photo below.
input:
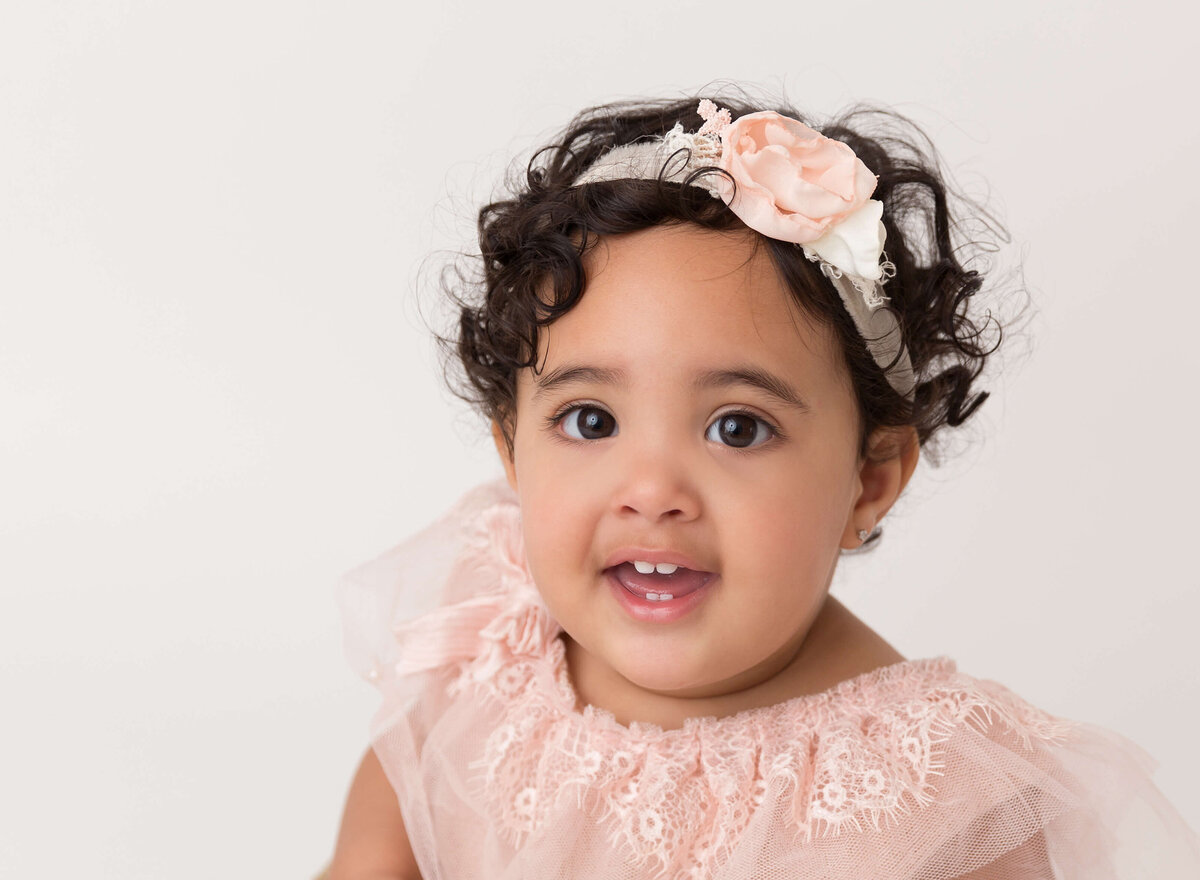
(217, 392)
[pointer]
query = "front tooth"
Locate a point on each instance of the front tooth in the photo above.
(665, 568)
(653, 597)
(644, 567)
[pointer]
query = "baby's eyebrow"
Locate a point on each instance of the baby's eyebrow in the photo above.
(755, 378)
(571, 373)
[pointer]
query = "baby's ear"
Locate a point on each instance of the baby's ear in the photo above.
(892, 455)
(504, 448)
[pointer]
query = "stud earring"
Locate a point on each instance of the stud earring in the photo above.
(867, 540)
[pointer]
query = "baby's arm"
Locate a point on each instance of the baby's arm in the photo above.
(372, 844)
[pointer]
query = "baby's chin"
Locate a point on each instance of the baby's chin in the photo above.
(703, 678)
(667, 696)
(711, 683)
(672, 685)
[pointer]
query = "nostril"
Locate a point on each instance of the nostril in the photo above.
(675, 512)
(657, 498)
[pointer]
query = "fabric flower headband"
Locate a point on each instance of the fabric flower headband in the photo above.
(793, 184)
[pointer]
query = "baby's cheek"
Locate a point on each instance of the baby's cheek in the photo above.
(793, 551)
(556, 551)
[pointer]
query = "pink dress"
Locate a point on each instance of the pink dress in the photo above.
(911, 771)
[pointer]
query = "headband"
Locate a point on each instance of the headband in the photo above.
(791, 183)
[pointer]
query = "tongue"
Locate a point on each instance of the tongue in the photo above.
(682, 582)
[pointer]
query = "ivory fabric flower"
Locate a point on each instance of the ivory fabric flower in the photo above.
(855, 244)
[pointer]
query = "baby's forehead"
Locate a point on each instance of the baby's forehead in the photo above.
(689, 251)
(678, 302)
(699, 277)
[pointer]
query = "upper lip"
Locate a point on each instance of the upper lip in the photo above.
(640, 554)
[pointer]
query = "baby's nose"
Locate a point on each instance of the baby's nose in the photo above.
(658, 487)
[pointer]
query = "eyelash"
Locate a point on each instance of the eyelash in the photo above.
(554, 423)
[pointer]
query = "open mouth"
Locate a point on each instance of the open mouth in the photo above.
(661, 582)
(658, 593)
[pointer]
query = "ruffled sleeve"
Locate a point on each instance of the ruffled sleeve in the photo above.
(409, 581)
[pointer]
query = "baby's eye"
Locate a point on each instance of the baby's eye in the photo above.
(588, 423)
(740, 430)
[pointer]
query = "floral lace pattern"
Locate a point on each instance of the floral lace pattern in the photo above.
(859, 755)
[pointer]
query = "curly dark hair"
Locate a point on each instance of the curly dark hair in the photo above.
(532, 246)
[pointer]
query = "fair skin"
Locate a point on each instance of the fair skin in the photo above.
(686, 413)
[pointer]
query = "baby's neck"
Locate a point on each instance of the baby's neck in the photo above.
(837, 646)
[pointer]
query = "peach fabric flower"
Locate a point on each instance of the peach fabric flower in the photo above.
(792, 181)
(794, 184)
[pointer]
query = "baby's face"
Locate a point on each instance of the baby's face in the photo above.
(686, 414)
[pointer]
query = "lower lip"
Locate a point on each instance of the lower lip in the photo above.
(667, 611)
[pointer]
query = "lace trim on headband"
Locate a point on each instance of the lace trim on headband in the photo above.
(704, 147)
(870, 291)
